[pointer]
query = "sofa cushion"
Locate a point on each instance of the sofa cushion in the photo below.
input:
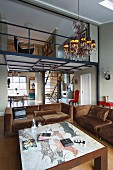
(39, 119)
(25, 123)
(54, 106)
(47, 112)
(30, 110)
(81, 110)
(98, 112)
(60, 116)
(106, 132)
(66, 108)
(110, 115)
(21, 124)
(91, 123)
(19, 113)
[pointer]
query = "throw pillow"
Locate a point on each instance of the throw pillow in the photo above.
(46, 112)
(98, 112)
(19, 113)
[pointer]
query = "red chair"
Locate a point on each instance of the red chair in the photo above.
(76, 98)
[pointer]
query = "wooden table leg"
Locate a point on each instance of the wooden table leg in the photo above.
(101, 163)
(10, 102)
(22, 100)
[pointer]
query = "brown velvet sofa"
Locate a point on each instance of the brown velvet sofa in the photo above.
(96, 119)
(44, 113)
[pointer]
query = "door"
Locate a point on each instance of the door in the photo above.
(85, 89)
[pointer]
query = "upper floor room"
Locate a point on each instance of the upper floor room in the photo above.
(47, 27)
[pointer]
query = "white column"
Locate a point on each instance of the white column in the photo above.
(38, 87)
(3, 88)
(94, 36)
(3, 71)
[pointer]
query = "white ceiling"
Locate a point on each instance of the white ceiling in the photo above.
(20, 13)
(13, 11)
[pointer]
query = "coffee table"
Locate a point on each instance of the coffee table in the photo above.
(50, 154)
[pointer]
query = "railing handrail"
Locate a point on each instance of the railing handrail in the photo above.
(51, 96)
(12, 35)
(33, 29)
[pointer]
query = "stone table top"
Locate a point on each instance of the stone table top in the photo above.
(50, 153)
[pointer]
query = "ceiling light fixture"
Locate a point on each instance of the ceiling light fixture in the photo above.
(14, 74)
(79, 46)
(107, 3)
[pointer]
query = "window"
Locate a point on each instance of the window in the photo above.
(18, 85)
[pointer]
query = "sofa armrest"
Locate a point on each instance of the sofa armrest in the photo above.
(8, 120)
(67, 109)
(80, 110)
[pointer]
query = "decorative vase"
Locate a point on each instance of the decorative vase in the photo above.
(33, 125)
(106, 98)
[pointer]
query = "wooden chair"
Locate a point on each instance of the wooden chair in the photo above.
(18, 48)
(76, 98)
(17, 100)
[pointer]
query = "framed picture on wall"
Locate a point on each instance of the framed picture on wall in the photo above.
(31, 84)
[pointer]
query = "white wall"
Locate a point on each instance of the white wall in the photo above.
(28, 75)
(3, 38)
(106, 60)
(94, 36)
(38, 87)
(93, 82)
(3, 71)
(3, 88)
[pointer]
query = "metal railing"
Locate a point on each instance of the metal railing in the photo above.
(30, 35)
(44, 41)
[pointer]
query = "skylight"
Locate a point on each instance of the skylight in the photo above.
(107, 3)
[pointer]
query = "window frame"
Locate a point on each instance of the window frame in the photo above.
(19, 90)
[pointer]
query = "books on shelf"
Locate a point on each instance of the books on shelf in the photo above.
(27, 144)
(43, 136)
(66, 142)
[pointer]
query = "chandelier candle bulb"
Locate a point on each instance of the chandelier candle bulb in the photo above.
(88, 40)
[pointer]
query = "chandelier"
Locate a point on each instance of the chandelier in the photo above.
(80, 46)
(14, 74)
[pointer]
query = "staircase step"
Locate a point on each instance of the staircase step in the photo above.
(50, 87)
(51, 84)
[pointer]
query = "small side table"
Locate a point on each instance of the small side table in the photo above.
(106, 103)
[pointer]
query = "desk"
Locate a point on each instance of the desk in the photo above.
(106, 103)
(52, 155)
(14, 96)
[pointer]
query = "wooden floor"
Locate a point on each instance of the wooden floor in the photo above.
(10, 155)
